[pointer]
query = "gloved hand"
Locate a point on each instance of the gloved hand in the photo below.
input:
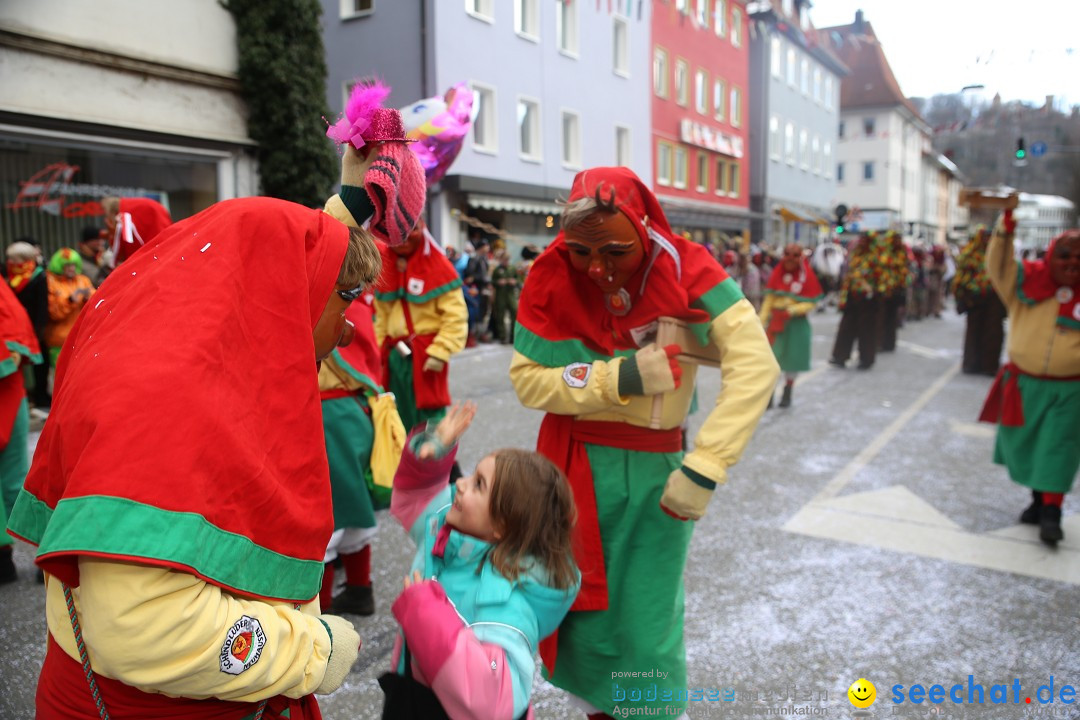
(686, 494)
(433, 364)
(1007, 222)
(344, 647)
(355, 163)
(651, 370)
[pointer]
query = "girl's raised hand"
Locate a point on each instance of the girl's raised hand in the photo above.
(457, 421)
(415, 579)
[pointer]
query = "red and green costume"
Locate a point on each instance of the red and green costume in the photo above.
(629, 612)
(185, 431)
(789, 296)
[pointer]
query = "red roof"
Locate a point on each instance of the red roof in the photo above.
(871, 82)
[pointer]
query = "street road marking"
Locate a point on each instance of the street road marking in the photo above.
(896, 519)
(934, 353)
(976, 430)
(834, 486)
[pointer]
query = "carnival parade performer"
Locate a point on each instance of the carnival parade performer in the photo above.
(492, 576)
(791, 294)
(355, 410)
(984, 332)
(584, 354)
(894, 276)
(1035, 400)
(183, 547)
(130, 223)
(69, 291)
(20, 345)
(420, 321)
(861, 301)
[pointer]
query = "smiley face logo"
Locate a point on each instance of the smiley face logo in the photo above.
(862, 693)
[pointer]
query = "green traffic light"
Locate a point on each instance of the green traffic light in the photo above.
(839, 229)
(1020, 154)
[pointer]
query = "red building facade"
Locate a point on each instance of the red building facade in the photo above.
(700, 78)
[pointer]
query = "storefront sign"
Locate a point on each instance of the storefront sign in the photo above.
(48, 189)
(710, 139)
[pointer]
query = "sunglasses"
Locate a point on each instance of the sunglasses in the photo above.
(350, 295)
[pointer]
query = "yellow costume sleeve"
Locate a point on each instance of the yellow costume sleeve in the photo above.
(749, 372)
(165, 631)
(453, 320)
(799, 309)
(577, 389)
(1001, 265)
(766, 309)
(336, 209)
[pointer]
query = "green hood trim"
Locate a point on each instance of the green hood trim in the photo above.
(557, 353)
(102, 525)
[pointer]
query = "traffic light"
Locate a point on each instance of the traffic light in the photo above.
(841, 215)
(1021, 153)
(839, 229)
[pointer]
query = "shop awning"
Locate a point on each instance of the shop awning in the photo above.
(791, 216)
(513, 204)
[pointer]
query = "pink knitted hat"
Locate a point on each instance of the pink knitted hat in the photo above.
(395, 182)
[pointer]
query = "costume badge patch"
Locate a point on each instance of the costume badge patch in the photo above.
(576, 375)
(415, 286)
(243, 645)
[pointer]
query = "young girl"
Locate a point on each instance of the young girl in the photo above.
(493, 575)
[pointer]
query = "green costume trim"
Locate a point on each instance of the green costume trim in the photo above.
(1043, 453)
(558, 353)
(1062, 321)
(8, 365)
(417, 299)
(14, 464)
(106, 525)
(1068, 322)
(791, 348)
(354, 373)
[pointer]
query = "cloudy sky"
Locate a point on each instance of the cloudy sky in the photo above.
(1024, 50)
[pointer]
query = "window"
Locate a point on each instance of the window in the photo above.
(868, 127)
(840, 132)
(683, 6)
(774, 56)
(528, 117)
(571, 139)
(356, 8)
(620, 44)
(736, 27)
(721, 176)
(663, 163)
(566, 30)
(792, 69)
(735, 108)
(774, 137)
(868, 171)
(702, 13)
(702, 172)
(681, 168)
(828, 92)
(839, 172)
(789, 143)
(815, 155)
(660, 72)
(682, 82)
(527, 18)
(622, 146)
(481, 9)
(701, 92)
(804, 150)
(733, 179)
(804, 18)
(789, 7)
(719, 102)
(485, 130)
(817, 84)
(804, 76)
(719, 17)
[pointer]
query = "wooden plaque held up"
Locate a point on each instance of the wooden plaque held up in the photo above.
(672, 331)
(989, 198)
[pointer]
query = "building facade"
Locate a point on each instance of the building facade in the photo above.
(559, 86)
(700, 96)
(794, 118)
(116, 97)
(882, 138)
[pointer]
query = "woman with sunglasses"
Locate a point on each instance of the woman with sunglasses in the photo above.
(179, 496)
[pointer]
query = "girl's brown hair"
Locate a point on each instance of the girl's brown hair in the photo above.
(362, 262)
(532, 507)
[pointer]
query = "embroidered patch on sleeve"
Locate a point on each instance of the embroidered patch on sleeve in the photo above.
(576, 375)
(243, 645)
(415, 286)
